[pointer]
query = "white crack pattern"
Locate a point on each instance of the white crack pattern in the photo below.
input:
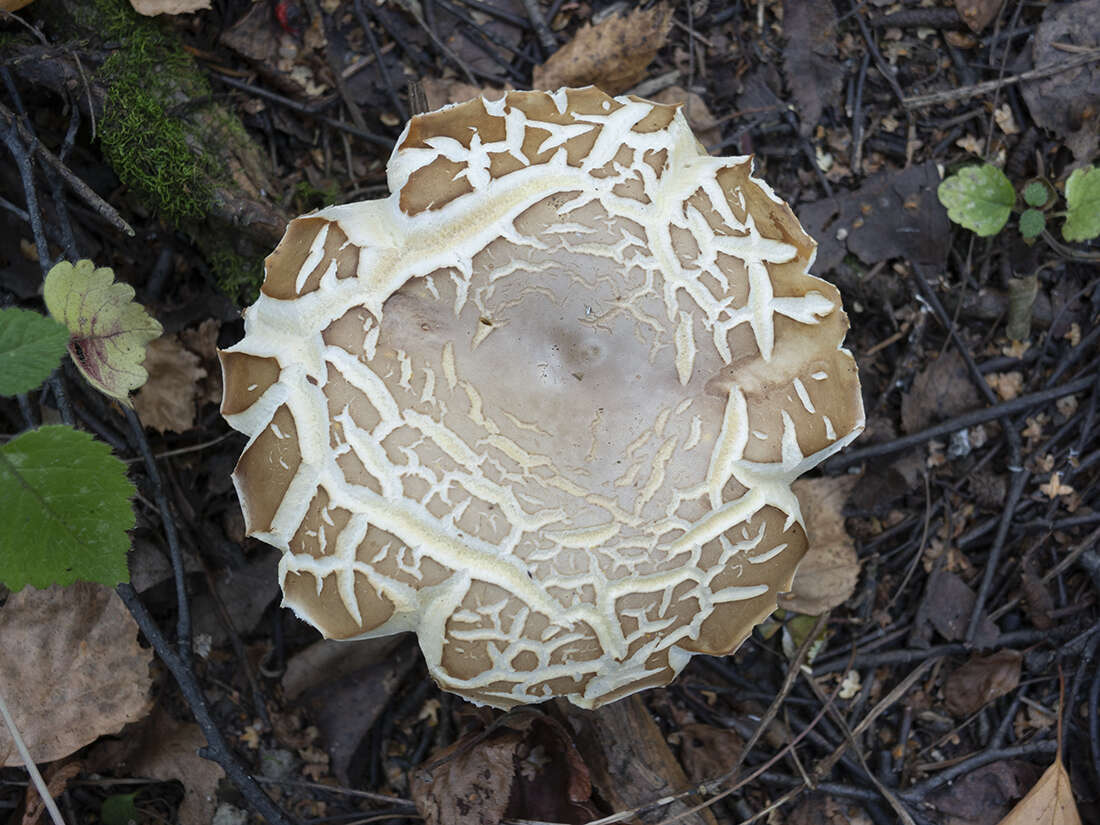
(545, 413)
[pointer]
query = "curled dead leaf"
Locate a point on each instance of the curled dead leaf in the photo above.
(829, 571)
(167, 401)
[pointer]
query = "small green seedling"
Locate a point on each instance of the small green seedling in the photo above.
(66, 497)
(981, 198)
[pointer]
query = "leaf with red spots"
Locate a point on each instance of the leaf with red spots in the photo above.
(108, 330)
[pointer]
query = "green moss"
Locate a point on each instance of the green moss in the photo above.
(307, 196)
(144, 140)
(238, 275)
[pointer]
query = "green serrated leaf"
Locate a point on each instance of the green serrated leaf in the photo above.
(979, 198)
(1082, 205)
(109, 331)
(1032, 222)
(119, 809)
(31, 347)
(1035, 194)
(66, 510)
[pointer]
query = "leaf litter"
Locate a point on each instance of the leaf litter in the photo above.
(73, 669)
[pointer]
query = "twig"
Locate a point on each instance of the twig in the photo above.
(85, 192)
(217, 748)
(28, 763)
(370, 137)
(919, 791)
(978, 89)
(183, 621)
(546, 37)
(961, 422)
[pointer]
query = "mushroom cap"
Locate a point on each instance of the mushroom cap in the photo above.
(543, 405)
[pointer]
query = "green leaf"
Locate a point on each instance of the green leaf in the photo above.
(66, 510)
(1035, 194)
(31, 347)
(109, 331)
(1082, 205)
(1032, 223)
(979, 198)
(119, 809)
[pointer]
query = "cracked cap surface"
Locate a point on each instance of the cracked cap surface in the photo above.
(543, 405)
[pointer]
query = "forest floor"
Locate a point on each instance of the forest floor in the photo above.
(957, 542)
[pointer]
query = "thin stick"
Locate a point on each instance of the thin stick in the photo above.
(962, 422)
(28, 763)
(85, 192)
(542, 31)
(978, 89)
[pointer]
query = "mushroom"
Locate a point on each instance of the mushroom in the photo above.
(543, 404)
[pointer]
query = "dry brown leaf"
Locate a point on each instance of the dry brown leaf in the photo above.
(984, 795)
(613, 54)
(828, 573)
(977, 14)
(73, 669)
(707, 751)
(941, 390)
(469, 782)
(981, 680)
(167, 401)
(1066, 102)
(151, 8)
(814, 72)
(704, 124)
(203, 341)
(441, 91)
(1050, 802)
(12, 5)
(57, 779)
(170, 750)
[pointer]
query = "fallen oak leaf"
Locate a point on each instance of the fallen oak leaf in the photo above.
(108, 330)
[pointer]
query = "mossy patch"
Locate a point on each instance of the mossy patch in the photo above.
(146, 142)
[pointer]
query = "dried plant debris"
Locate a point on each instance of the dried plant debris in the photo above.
(893, 215)
(943, 389)
(813, 71)
(167, 400)
(829, 572)
(977, 14)
(982, 679)
(167, 749)
(985, 795)
(151, 8)
(73, 669)
(946, 607)
(526, 763)
(1067, 102)
(612, 54)
(1050, 802)
(707, 751)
